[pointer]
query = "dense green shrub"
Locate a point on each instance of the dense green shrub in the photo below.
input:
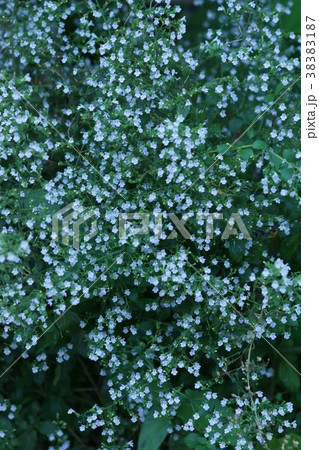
(121, 107)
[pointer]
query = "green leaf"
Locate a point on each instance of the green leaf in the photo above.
(185, 411)
(259, 145)
(251, 133)
(30, 440)
(274, 158)
(223, 148)
(53, 405)
(235, 124)
(68, 321)
(245, 153)
(183, 111)
(288, 442)
(176, 445)
(6, 424)
(269, 98)
(286, 174)
(46, 427)
(153, 433)
(289, 377)
(192, 440)
(237, 249)
(36, 198)
(289, 155)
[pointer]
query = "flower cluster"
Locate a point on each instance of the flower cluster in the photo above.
(128, 107)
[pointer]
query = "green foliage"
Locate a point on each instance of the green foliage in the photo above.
(153, 433)
(152, 341)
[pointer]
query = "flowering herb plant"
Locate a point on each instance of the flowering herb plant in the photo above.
(149, 340)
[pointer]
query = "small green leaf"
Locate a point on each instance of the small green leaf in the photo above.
(288, 442)
(237, 249)
(192, 440)
(223, 148)
(235, 124)
(274, 158)
(269, 98)
(251, 133)
(245, 153)
(183, 111)
(259, 145)
(36, 198)
(289, 155)
(153, 433)
(30, 440)
(46, 427)
(286, 174)
(289, 377)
